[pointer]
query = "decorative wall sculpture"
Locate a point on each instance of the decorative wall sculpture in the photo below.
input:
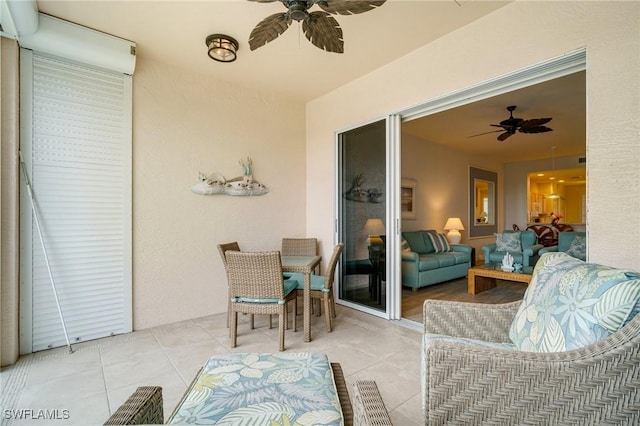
(241, 185)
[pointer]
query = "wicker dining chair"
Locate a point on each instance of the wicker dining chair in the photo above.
(222, 249)
(256, 287)
(322, 286)
(300, 247)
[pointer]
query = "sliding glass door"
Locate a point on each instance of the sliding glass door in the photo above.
(366, 200)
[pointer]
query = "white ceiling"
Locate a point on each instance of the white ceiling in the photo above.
(174, 32)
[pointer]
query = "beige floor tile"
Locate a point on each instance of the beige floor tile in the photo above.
(63, 389)
(100, 375)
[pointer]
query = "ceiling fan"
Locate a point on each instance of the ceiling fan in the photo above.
(319, 27)
(512, 125)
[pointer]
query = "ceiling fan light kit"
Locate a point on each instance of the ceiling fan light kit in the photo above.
(221, 48)
(319, 27)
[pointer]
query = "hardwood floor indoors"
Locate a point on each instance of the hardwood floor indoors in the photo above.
(456, 290)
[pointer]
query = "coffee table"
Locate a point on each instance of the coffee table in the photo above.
(483, 277)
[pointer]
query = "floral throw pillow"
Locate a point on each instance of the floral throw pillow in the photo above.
(570, 304)
(439, 241)
(508, 241)
(578, 247)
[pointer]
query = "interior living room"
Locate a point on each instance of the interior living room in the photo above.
(282, 108)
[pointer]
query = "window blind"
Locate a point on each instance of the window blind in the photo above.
(78, 156)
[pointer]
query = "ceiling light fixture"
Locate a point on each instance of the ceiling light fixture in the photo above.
(222, 48)
(553, 195)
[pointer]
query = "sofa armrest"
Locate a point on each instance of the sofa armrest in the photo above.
(368, 406)
(479, 321)
(549, 249)
(410, 256)
(532, 250)
(144, 407)
(487, 250)
(462, 248)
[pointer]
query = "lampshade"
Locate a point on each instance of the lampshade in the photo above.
(374, 227)
(222, 48)
(454, 223)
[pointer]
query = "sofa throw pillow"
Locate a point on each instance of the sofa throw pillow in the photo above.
(570, 304)
(440, 243)
(508, 241)
(578, 247)
(404, 245)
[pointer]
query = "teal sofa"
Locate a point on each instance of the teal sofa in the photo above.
(422, 266)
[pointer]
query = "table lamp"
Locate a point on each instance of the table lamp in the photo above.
(374, 228)
(454, 226)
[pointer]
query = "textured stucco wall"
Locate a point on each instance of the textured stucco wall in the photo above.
(184, 124)
(9, 292)
(516, 36)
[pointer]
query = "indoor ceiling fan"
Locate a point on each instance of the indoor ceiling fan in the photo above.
(319, 27)
(512, 125)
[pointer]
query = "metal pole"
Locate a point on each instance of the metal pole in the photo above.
(44, 249)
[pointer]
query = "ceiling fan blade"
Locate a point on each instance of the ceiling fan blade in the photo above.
(536, 129)
(504, 136)
(485, 133)
(323, 31)
(535, 122)
(349, 7)
(269, 29)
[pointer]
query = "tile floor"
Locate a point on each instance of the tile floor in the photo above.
(85, 387)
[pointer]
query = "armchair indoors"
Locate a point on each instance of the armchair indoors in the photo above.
(520, 244)
(502, 364)
(572, 243)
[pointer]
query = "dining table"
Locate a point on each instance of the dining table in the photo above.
(304, 265)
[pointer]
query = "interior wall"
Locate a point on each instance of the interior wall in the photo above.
(184, 124)
(548, 30)
(442, 176)
(9, 284)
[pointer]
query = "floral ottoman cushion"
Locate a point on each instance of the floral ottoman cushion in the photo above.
(262, 389)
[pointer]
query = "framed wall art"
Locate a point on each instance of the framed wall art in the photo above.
(408, 198)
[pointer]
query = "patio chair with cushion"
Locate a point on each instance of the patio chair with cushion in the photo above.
(256, 287)
(300, 247)
(222, 249)
(322, 286)
(568, 353)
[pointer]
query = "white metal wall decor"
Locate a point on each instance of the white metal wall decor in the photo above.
(241, 185)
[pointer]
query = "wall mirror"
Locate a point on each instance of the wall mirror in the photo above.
(482, 202)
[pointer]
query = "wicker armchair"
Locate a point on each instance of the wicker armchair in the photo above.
(144, 407)
(256, 287)
(466, 383)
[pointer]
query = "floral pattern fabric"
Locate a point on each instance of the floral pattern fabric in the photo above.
(262, 389)
(570, 304)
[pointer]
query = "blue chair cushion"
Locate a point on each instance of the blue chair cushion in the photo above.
(317, 282)
(289, 285)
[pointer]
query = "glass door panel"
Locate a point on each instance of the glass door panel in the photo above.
(363, 198)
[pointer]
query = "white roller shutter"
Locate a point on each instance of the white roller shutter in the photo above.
(76, 143)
